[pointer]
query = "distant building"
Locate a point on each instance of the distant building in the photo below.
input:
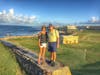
(71, 27)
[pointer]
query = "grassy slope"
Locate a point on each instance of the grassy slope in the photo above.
(83, 58)
(8, 64)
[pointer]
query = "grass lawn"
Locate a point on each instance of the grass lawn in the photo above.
(8, 63)
(83, 58)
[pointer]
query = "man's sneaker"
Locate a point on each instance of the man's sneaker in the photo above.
(53, 64)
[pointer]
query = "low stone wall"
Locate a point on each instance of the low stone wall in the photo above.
(28, 62)
(30, 67)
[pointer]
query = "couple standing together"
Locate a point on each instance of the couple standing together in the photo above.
(48, 39)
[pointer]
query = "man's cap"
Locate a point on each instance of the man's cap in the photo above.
(50, 25)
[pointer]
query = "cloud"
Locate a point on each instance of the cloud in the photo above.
(10, 18)
(93, 19)
(11, 11)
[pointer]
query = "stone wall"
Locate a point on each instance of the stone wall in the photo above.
(28, 62)
(29, 67)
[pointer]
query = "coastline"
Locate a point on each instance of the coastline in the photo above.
(15, 37)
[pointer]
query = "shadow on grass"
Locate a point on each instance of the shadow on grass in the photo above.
(89, 69)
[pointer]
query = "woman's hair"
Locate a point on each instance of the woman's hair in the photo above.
(43, 27)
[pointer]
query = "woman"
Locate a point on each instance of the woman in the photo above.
(42, 44)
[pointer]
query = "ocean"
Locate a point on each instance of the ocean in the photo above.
(13, 30)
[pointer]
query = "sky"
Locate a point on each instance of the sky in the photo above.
(61, 11)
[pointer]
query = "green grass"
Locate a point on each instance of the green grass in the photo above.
(83, 58)
(8, 63)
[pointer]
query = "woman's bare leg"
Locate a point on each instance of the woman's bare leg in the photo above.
(43, 54)
(40, 54)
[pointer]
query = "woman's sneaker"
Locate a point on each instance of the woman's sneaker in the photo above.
(50, 61)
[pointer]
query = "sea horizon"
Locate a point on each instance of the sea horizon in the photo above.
(14, 30)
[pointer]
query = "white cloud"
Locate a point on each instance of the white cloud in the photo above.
(32, 17)
(93, 19)
(0, 13)
(11, 11)
(10, 18)
(4, 12)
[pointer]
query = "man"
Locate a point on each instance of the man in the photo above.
(53, 43)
